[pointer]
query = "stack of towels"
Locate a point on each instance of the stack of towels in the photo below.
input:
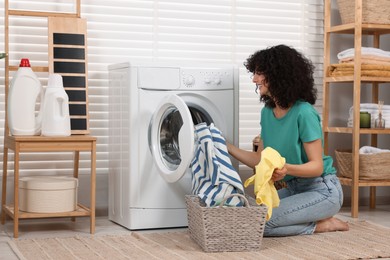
(372, 108)
(374, 63)
(369, 56)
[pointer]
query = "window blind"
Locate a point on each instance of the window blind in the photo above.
(218, 31)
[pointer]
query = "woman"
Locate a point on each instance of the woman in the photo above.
(290, 125)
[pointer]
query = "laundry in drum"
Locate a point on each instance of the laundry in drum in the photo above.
(169, 133)
(198, 116)
(169, 137)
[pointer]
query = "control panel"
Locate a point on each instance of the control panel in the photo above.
(207, 78)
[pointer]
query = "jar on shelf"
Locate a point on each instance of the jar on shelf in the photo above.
(365, 120)
(380, 122)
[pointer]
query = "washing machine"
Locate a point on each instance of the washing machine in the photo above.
(153, 108)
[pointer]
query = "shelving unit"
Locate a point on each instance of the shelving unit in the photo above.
(357, 29)
(23, 144)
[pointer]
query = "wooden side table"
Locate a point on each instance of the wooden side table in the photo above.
(74, 143)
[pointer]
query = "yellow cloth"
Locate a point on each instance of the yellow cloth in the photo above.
(265, 190)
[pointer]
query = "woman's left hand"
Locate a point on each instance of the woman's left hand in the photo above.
(279, 174)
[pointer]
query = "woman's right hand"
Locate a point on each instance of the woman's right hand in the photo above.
(279, 174)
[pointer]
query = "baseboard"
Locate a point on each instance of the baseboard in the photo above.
(365, 201)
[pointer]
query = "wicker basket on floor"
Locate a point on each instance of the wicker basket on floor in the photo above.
(371, 166)
(374, 11)
(219, 229)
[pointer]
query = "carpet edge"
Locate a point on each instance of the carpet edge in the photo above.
(376, 224)
(15, 249)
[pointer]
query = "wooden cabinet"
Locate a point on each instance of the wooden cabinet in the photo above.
(358, 30)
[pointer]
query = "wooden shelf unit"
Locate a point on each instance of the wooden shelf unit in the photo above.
(21, 144)
(357, 29)
(30, 144)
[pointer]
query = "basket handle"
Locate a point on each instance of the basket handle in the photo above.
(246, 202)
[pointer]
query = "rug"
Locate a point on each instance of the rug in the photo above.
(364, 240)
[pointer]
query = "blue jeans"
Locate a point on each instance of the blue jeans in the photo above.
(303, 203)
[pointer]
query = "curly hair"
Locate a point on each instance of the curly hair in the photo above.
(288, 73)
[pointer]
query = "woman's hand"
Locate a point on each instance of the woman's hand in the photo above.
(250, 159)
(279, 174)
(313, 168)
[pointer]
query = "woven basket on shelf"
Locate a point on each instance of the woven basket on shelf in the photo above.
(219, 229)
(374, 11)
(371, 166)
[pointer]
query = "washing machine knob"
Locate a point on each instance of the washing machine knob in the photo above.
(207, 80)
(217, 81)
(189, 81)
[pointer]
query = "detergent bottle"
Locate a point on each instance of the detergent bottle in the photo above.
(55, 118)
(24, 92)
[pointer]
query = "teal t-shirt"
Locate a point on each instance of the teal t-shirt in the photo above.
(286, 135)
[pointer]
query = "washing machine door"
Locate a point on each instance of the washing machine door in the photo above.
(171, 138)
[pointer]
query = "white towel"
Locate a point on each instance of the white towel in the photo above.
(372, 150)
(213, 176)
(371, 108)
(365, 50)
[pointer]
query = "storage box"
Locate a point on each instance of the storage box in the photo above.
(47, 194)
(374, 11)
(217, 229)
(371, 166)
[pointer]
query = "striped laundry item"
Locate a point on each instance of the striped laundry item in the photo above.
(213, 176)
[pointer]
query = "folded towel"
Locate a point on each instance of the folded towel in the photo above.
(368, 59)
(364, 50)
(372, 150)
(213, 175)
(350, 67)
(264, 187)
(371, 73)
(368, 70)
(365, 61)
(371, 106)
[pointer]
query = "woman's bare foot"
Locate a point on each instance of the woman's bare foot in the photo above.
(331, 224)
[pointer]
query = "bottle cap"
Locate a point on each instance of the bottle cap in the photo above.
(24, 63)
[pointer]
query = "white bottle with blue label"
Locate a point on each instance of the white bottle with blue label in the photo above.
(24, 92)
(55, 117)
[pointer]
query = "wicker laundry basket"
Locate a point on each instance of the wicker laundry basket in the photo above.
(374, 11)
(219, 229)
(371, 166)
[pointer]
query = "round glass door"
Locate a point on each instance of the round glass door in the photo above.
(172, 138)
